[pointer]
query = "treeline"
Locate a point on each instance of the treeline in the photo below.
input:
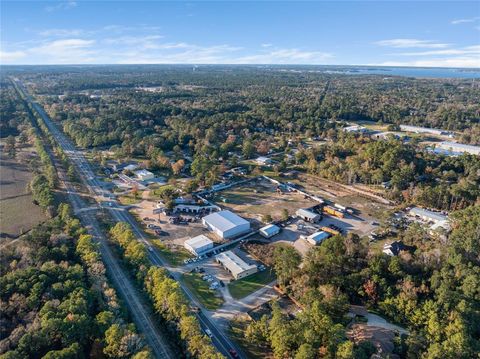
(412, 175)
(433, 291)
(166, 295)
(56, 301)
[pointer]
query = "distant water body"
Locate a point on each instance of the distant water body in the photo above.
(418, 72)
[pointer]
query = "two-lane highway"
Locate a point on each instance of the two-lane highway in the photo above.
(95, 187)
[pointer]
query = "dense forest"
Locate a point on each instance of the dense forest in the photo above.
(56, 301)
(433, 291)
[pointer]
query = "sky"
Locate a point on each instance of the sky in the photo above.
(389, 33)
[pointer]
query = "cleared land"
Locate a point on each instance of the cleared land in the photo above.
(258, 198)
(17, 212)
(209, 298)
(243, 287)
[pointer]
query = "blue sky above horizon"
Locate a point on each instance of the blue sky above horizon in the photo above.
(390, 33)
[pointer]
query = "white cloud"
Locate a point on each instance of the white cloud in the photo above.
(61, 32)
(411, 43)
(266, 45)
(467, 62)
(64, 5)
(464, 21)
(12, 56)
(64, 51)
(469, 50)
(285, 56)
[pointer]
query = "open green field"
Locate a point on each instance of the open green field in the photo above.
(173, 256)
(209, 298)
(129, 199)
(241, 288)
(17, 212)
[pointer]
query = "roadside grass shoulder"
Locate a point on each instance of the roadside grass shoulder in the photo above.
(173, 256)
(210, 299)
(243, 287)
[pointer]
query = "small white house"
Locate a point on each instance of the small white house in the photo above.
(262, 160)
(198, 245)
(144, 175)
(269, 231)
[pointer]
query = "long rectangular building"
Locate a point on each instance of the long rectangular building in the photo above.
(458, 147)
(235, 265)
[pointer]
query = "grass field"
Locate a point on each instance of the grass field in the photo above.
(209, 298)
(17, 211)
(129, 199)
(241, 288)
(259, 198)
(174, 256)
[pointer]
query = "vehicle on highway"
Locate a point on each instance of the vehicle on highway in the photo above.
(233, 353)
(208, 332)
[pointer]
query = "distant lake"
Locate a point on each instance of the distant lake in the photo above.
(431, 72)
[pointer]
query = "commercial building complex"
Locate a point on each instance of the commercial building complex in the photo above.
(198, 245)
(226, 224)
(235, 265)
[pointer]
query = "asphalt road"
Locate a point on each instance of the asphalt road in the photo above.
(138, 310)
(95, 187)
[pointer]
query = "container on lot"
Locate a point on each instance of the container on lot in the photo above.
(334, 211)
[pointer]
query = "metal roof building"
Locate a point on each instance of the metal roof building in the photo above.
(198, 245)
(458, 147)
(427, 215)
(307, 215)
(269, 231)
(226, 224)
(235, 265)
(317, 238)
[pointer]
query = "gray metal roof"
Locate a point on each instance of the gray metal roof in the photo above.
(224, 220)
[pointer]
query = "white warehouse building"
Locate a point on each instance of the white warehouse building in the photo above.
(458, 147)
(198, 245)
(226, 224)
(235, 265)
(269, 231)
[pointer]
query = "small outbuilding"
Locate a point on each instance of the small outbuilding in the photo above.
(317, 237)
(262, 160)
(269, 231)
(198, 245)
(144, 175)
(308, 215)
